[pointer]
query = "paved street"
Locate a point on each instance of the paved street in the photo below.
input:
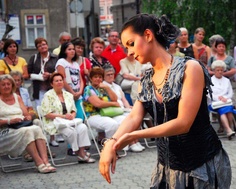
(133, 172)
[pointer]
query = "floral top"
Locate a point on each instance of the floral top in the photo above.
(91, 91)
(52, 104)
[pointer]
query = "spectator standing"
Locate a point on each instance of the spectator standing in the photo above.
(85, 64)
(220, 46)
(97, 46)
(184, 46)
(174, 50)
(212, 41)
(41, 66)
(63, 37)
(2, 54)
(114, 52)
(204, 51)
(70, 70)
(11, 61)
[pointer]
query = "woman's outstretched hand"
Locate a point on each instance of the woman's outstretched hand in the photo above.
(108, 155)
(107, 161)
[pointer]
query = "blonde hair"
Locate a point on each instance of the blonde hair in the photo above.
(96, 40)
(9, 77)
(183, 29)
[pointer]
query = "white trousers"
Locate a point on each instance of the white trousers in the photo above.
(76, 136)
(107, 124)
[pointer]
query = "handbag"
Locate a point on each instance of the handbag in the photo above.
(21, 124)
(62, 123)
(220, 104)
(111, 111)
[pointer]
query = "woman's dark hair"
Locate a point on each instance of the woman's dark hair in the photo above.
(96, 71)
(164, 31)
(54, 75)
(220, 41)
(78, 41)
(62, 53)
(7, 43)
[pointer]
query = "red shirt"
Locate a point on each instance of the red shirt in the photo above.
(114, 56)
(88, 67)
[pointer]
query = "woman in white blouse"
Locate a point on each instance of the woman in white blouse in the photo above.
(222, 91)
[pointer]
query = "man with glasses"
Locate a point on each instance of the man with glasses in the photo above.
(114, 52)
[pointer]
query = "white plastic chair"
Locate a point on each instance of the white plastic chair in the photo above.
(91, 132)
(12, 167)
(40, 114)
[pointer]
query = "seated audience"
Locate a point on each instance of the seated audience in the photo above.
(130, 71)
(59, 112)
(222, 91)
(97, 96)
(109, 77)
(15, 141)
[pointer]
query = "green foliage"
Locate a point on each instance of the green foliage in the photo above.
(215, 16)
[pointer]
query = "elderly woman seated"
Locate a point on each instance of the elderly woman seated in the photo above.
(222, 91)
(109, 78)
(97, 96)
(58, 108)
(13, 141)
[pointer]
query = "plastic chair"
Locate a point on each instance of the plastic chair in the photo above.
(90, 130)
(40, 114)
(14, 166)
(93, 137)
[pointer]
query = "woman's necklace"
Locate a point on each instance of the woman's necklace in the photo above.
(159, 90)
(12, 60)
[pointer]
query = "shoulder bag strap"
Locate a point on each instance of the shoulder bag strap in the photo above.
(8, 67)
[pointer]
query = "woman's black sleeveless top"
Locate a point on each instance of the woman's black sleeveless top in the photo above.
(187, 51)
(188, 151)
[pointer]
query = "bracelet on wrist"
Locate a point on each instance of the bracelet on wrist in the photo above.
(8, 121)
(105, 140)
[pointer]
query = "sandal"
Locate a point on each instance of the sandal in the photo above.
(230, 135)
(43, 169)
(86, 159)
(51, 168)
(27, 157)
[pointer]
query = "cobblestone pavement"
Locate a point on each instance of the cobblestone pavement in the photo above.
(132, 172)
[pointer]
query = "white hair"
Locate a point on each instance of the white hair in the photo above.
(218, 63)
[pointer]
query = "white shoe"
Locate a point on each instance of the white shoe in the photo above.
(140, 145)
(135, 148)
(126, 148)
(59, 138)
(53, 143)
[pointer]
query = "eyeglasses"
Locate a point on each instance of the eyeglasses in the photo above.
(42, 45)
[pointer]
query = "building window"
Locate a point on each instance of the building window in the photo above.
(34, 27)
